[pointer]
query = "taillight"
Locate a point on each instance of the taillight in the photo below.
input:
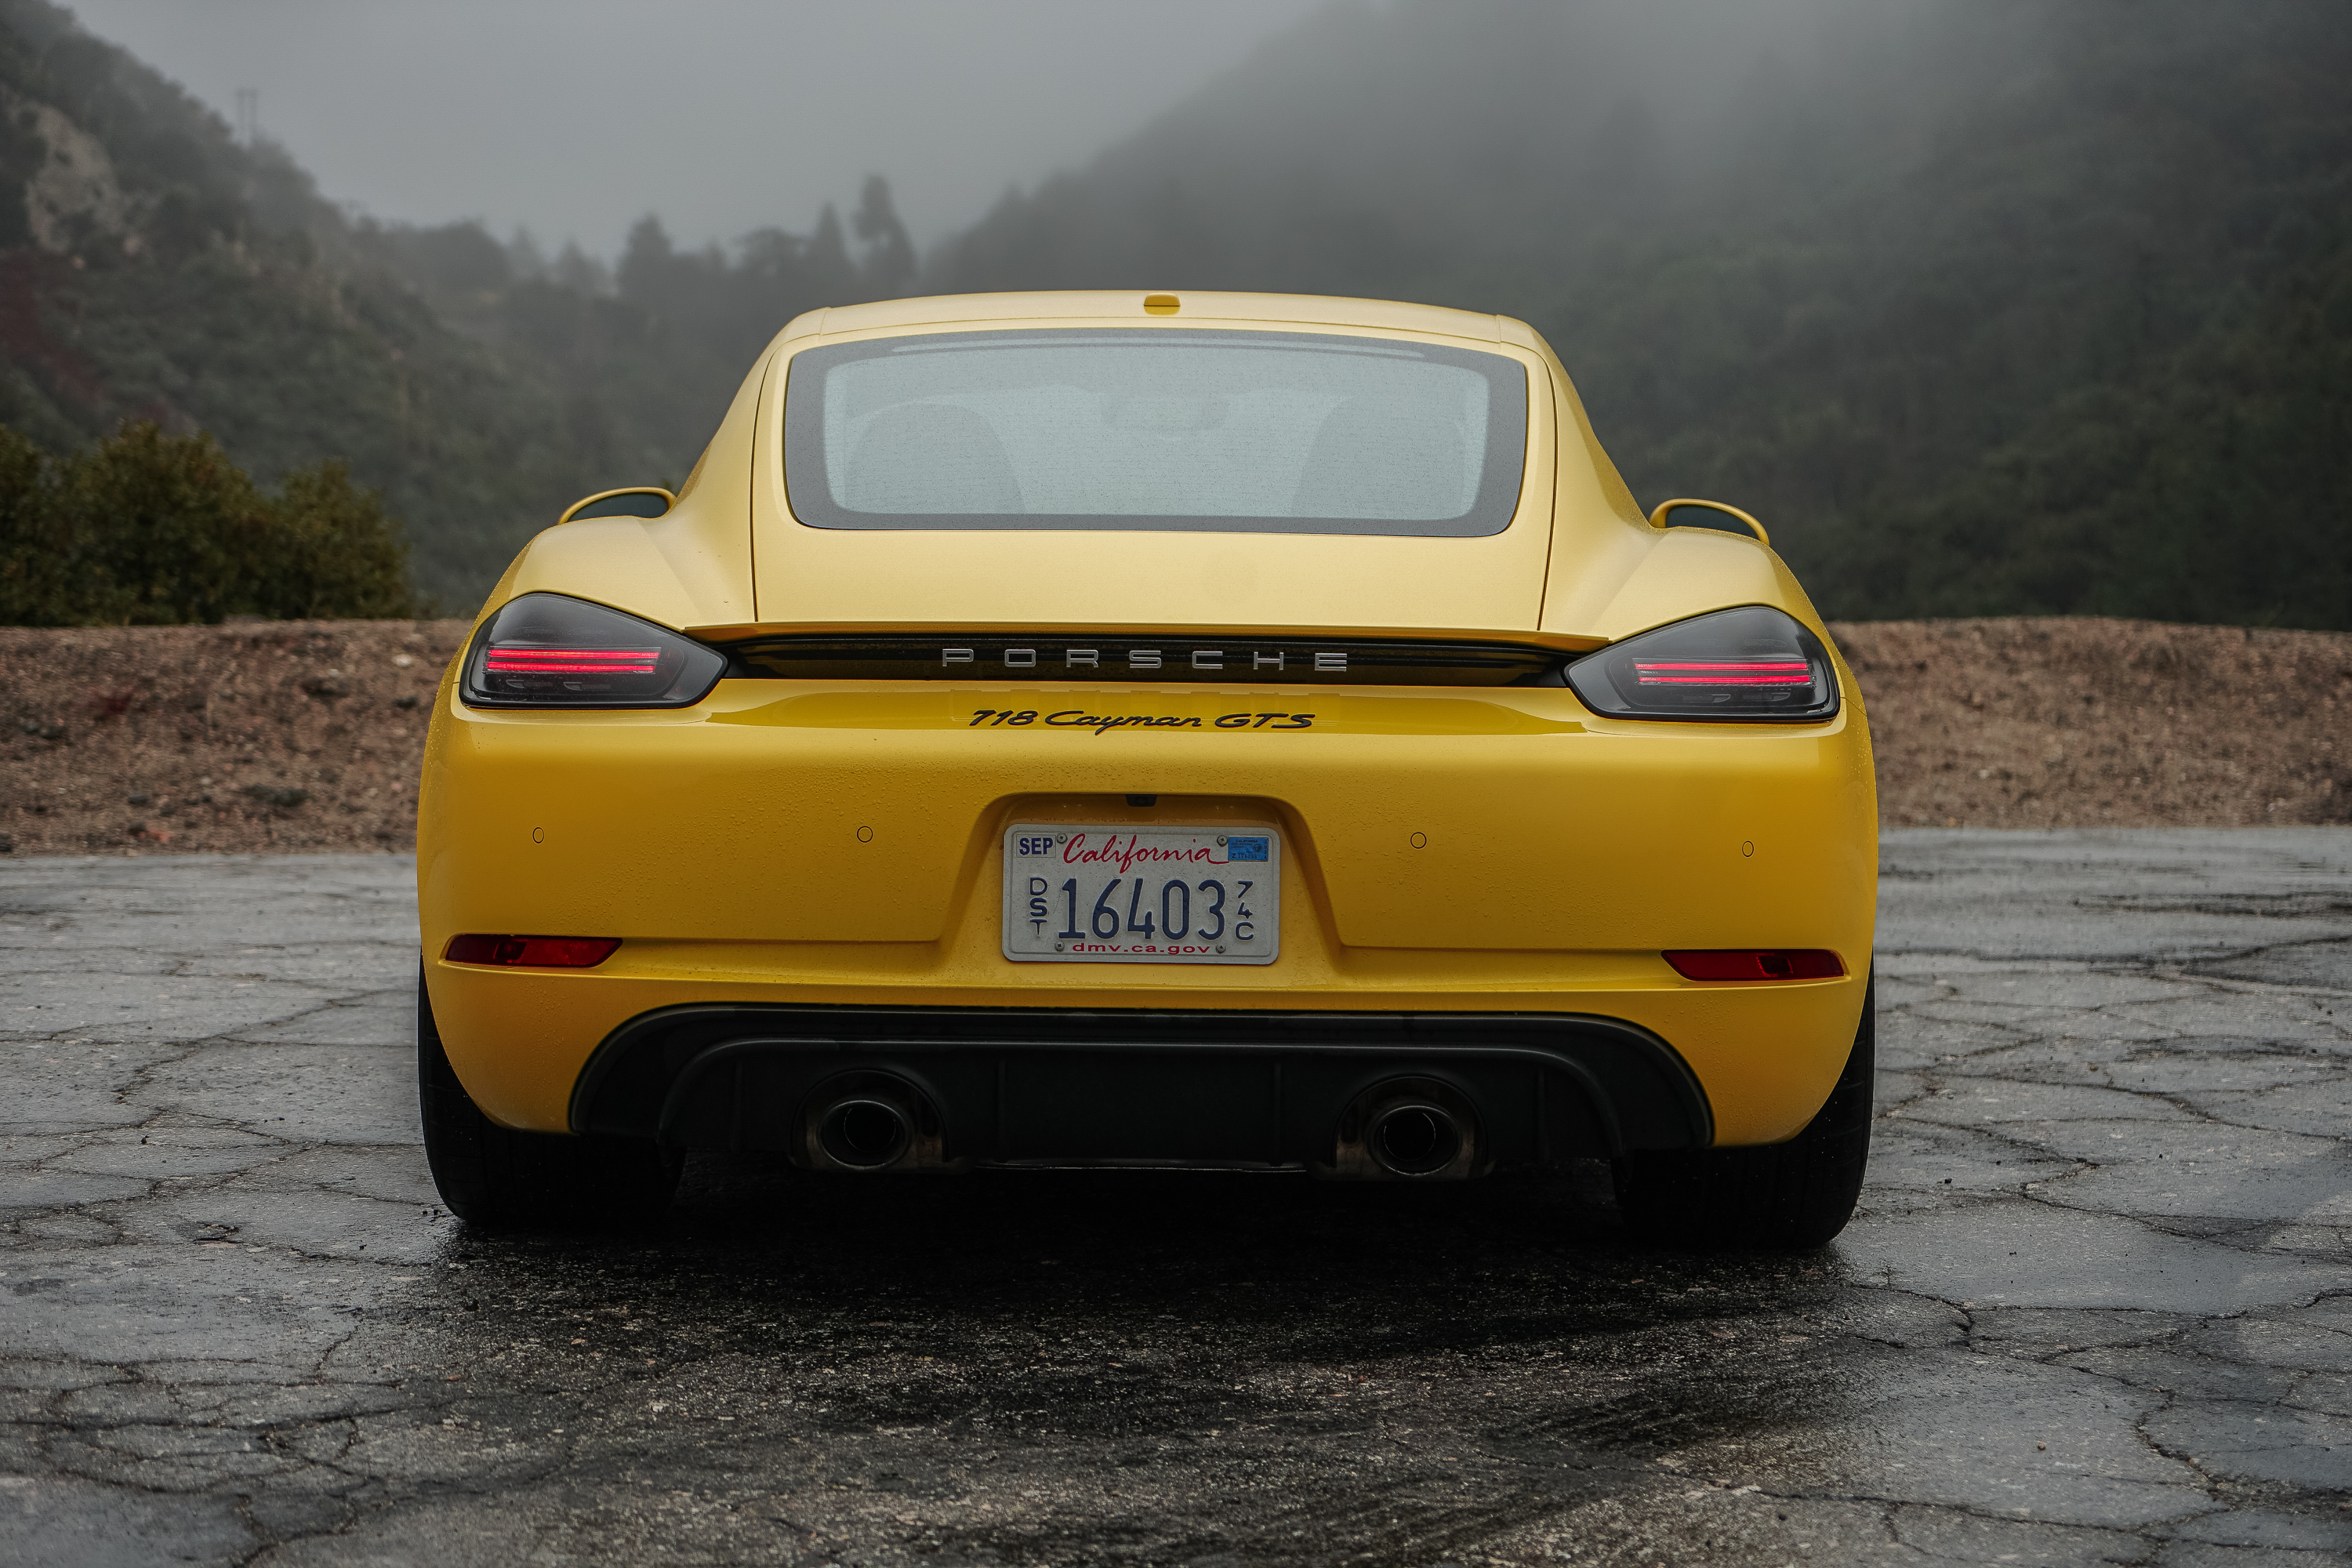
(1748, 663)
(1755, 963)
(511, 661)
(549, 650)
(532, 952)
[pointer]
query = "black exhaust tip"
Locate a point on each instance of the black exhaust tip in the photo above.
(1413, 1138)
(1406, 1129)
(865, 1132)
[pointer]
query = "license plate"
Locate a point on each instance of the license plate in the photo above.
(1091, 894)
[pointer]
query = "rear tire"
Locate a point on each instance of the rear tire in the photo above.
(499, 1179)
(1789, 1197)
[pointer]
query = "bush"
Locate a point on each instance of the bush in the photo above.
(146, 528)
(339, 557)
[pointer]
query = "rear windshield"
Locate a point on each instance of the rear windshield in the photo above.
(1173, 430)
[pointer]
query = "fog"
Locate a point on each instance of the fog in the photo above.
(575, 117)
(1984, 307)
(1466, 151)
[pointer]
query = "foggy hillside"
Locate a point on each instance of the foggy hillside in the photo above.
(1984, 307)
(155, 269)
(151, 267)
(1450, 145)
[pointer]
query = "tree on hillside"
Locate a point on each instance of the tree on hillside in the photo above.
(828, 247)
(646, 274)
(890, 261)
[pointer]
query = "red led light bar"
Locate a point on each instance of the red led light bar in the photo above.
(1755, 963)
(572, 660)
(1724, 672)
(532, 952)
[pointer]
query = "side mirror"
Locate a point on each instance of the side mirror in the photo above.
(638, 500)
(1709, 514)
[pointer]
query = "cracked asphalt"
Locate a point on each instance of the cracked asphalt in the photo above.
(2097, 1307)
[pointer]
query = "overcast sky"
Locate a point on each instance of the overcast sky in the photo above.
(574, 117)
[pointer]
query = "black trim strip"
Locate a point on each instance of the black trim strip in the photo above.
(1143, 659)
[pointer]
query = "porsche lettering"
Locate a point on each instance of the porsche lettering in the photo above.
(1328, 661)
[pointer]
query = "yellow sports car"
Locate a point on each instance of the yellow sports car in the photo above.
(1219, 731)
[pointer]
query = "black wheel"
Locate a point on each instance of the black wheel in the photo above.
(503, 1180)
(1789, 1195)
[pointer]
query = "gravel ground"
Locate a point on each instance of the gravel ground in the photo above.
(268, 736)
(304, 736)
(2096, 1309)
(2092, 723)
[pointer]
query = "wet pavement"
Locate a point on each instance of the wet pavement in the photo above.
(2097, 1307)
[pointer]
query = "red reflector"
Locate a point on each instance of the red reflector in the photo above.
(1755, 963)
(533, 951)
(1723, 672)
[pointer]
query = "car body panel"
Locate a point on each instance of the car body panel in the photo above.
(939, 312)
(1673, 569)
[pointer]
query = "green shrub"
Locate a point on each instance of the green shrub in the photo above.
(168, 531)
(36, 554)
(146, 528)
(338, 556)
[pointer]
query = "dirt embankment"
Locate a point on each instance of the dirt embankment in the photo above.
(305, 735)
(286, 736)
(2092, 723)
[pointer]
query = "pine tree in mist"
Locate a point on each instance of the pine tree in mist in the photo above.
(890, 262)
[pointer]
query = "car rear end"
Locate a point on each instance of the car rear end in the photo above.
(1256, 734)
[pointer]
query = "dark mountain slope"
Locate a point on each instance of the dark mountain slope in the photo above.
(2092, 353)
(151, 267)
(1455, 144)
(648, 360)
(1985, 307)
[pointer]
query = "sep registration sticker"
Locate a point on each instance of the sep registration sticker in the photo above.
(1091, 894)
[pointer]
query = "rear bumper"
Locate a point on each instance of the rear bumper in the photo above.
(785, 846)
(1056, 1086)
